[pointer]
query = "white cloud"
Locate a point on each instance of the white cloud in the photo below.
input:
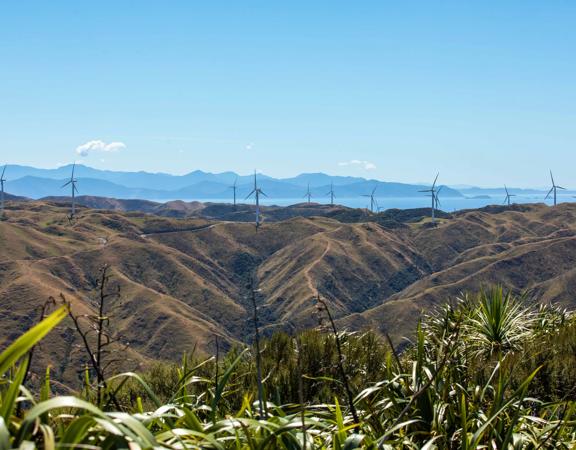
(99, 146)
(366, 165)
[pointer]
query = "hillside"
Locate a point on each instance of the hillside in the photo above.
(184, 281)
(245, 212)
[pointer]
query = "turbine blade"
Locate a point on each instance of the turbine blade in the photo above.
(548, 194)
(4, 171)
(64, 185)
(560, 187)
(263, 194)
(250, 195)
(552, 178)
(435, 179)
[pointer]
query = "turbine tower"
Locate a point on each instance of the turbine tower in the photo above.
(433, 194)
(234, 188)
(372, 200)
(553, 189)
(2, 181)
(72, 182)
(257, 192)
(308, 194)
(508, 196)
(331, 194)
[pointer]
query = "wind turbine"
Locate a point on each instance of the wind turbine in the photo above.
(234, 187)
(2, 181)
(308, 194)
(508, 196)
(372, 200)
(433, 194)
(72, 182)
(331, 194)
(553, 189)
(257, 192)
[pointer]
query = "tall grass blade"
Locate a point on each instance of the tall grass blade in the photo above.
(25, 342)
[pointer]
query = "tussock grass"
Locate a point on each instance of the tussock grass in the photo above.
(467, 381)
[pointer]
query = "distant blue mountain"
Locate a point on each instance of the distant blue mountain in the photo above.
(198, 185)
(321, 179)
(36, 187)
(157, 181)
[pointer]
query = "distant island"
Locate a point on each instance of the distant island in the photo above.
(479, 197)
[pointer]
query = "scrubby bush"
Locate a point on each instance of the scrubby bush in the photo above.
(486, 371)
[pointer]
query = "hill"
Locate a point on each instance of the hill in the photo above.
(184, 280)
(14, 198)
(245, 212)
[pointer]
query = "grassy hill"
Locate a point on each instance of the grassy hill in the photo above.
(184, 281)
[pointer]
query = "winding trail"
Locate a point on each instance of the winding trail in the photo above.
(181, 230)
(317, 260)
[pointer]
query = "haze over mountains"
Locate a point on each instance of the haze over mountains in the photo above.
(38, 183)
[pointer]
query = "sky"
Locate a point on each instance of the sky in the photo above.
(483, 92)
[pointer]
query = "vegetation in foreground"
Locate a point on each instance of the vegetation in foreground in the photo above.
(484, 372)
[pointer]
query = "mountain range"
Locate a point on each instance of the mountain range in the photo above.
(198, 185)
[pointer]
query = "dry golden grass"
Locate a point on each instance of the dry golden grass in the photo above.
(184, 280)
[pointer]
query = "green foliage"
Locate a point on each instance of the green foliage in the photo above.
(497, 323)
(467, 382)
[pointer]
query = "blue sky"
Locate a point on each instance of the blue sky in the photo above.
(482, 91)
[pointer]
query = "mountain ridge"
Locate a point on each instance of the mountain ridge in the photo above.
(36, 183)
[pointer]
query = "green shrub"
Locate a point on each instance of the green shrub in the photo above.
(467, 382)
